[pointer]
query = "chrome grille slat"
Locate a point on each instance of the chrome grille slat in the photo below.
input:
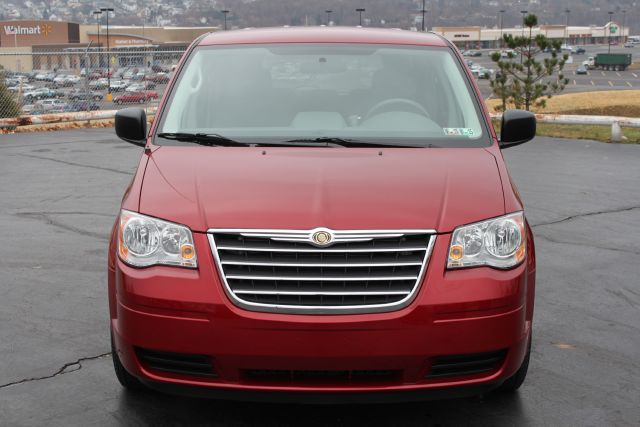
(303, 264)
(360, 271)
(317, 250)
(320, 278)
(252, 291)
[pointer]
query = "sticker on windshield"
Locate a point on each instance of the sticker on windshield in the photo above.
(458, 132)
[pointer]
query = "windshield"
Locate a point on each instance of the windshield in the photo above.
(403, 95)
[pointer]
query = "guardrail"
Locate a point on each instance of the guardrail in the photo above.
(615, 122)
(564, 119)
(568, 119)
(53, 118)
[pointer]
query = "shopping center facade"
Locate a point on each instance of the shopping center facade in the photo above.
(53, 45)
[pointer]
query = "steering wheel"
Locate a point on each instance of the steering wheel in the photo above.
(408, 102)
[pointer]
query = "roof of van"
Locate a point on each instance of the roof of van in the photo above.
(323, 35)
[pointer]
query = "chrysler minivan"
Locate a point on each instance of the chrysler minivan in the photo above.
(322, 214)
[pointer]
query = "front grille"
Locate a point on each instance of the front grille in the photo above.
(466, 364)
(176, 363)
(363, 271)
(322, 376)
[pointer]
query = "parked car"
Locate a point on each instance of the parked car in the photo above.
(481, 72)
(505, 53)
(140, 97)
(41, 76)
(98, 74)
(159, 68)
(159, 78)
(118, 85)
(83, 95)
(66, 79)
(629, 45)
(83, 106)
(52, 105)
(582, 70)
(137, 87)
(23, 87)
(472, 53)
(40, 93)
(315, 241)
(101, 83)
(28, 108)
(580, 51)
(129, 73)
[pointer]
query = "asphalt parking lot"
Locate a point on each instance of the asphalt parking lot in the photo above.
(59, 195)
(594, 80)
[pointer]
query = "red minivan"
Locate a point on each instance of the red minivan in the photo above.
(322, 214)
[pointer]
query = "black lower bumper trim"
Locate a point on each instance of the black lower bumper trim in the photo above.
(323, 398)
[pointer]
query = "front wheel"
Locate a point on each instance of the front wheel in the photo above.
(125, 379)
(514, 383)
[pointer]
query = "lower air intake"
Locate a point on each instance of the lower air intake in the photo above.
(176, 363)
(466, 364)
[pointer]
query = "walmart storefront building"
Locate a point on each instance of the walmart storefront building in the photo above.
(55, 45)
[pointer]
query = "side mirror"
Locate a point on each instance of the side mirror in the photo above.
(131, 125)
(518, 127)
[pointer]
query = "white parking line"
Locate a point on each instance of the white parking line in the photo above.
(629, 84)
(634, 75)
(618, 74)
(603, 73)
(610, 83)
(588, 73)
(574, 83)
(592, 83)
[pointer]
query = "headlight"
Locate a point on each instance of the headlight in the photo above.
(498, 242)
(144, 241)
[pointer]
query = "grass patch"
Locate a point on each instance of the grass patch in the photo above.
(624, 103)
(592, 132)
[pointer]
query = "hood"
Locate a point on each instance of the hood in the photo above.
(337, 188)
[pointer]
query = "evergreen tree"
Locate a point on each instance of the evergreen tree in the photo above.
(8, 105)
(523, 80)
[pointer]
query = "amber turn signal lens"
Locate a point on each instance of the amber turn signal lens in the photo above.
(456, 253)
(187, 251)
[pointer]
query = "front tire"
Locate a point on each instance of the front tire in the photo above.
(514, 383)
(125, 379)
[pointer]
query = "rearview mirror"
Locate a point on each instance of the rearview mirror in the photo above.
(131, 125)
(518, 127)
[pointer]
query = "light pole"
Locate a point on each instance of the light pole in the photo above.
(566, 28)
(624, 24)
(360, 10)
(97, 14)
(225, 13)
(609, 38)
(109, 96)
(328, 16)
(424, 11)
(524, 14)
(501, 12)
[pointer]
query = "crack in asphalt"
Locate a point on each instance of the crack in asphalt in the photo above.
(82, 165)
(565, 242)
(582, 215)
(63, 370)
(45, 217)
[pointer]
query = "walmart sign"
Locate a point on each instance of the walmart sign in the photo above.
(15, 30)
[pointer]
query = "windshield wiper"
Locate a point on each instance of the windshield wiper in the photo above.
(208, 139)
(344, 142)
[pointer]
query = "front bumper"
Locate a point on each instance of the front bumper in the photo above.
(461, 312)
